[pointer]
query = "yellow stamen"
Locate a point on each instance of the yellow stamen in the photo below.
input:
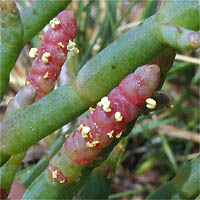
(54, 22)
(118, 117)
(55, 174)
(33, 52)
(85, 131)
(80, 127)
(95, 143)
(119, 135)
(60, 44)
(151, 103)
(46, 75)
(105, 104)
(91, 110)
(110, 134)
(28, 82)
(89, 145)
(45, 57)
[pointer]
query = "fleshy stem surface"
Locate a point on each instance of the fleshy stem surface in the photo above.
(35, 17)
(52, 53)
(98, 184)
(180, 38)
(96, 78)
(83, 147)
(7, 173)
(43, 163)
(16, 32)
(11, 30)
(59, 33)
(185, 185)
(24, 97)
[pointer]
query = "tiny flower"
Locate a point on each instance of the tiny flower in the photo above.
(118, 117)
(110, 134)
(105, 104)
(151, 103)
(54, 22)
(45, 57)
(71, 45)
(85, 131)
(28, 82)
(55, 174)
(88, 144)
(33, 52)
(119, 135)
(91, 110)
(60, 44)
(46, 75)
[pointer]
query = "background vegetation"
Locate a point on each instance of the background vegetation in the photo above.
(161, 141)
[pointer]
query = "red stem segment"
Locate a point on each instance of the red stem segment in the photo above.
(122, 105)
(52, 53)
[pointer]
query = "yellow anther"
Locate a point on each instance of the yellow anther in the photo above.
(33, 52)
(150, 103)
(80, 127)
(99, 104)
(94, 143)
(71, 45)
(91, 110)
(119, 135)
(45, 57)
(54, 22)
(66, 136)
(28, 82)
(46, 75)
(118, 117)
(75, 51)
(90, 134)
(55, 174)
(85, 131)
(105, 104)
(110, 134)
(107, 109)
(121, 148)
(90, 145)
(60, 44)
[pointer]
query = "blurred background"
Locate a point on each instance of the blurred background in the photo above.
(161, 141)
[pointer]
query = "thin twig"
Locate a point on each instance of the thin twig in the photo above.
(187, 59)
(128, 26)
(176, 132)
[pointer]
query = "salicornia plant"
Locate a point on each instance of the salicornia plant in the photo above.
(82, 161)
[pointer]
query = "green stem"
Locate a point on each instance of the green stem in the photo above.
(43, 163)
(42, 12)
(8, 171)
(11, 29)
(16, 32)
(180, 38)
(185, 185)
(98, 184)
(95, 79)
(78, 174)
(150, 8)
(23, 98)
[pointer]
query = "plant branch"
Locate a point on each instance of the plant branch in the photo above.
(11, 41)
(185, 185)
(16, 32)
(96, 78)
